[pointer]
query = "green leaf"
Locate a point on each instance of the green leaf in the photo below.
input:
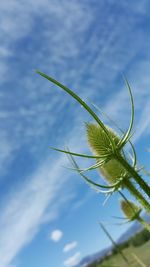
(125, 138)
(79, 100)
(76, 154)
(89, 181)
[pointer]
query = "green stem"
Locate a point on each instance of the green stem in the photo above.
(145, 224)
(115, 244)
(138, 260)
(139, 197)
(144, 186)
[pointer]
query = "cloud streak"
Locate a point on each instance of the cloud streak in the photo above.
(70, 246)
(73, 260)
(25, 210)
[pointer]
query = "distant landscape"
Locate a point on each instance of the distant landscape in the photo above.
(141, 252)
(135, 242)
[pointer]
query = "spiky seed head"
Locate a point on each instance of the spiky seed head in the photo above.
(99, 140)
(100, 145)
(130, 210)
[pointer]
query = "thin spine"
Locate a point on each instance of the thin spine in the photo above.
(92, 183)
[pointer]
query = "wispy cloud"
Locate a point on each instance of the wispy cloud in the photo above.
(25, 209)
(70, 246)
(73, 260)
(6, 155)
(65, 47)
(30, 116)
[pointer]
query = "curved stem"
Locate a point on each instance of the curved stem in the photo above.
(82, 103)
(143, 185)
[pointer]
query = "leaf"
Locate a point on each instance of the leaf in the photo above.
(79, 100)
(89, 181)
(76, 154)
(126, 137)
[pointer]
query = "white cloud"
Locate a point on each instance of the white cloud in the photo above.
(25, 209)
(56, 235)
(143, 127)
(18, 19)
(34, 202)
(4, 51)
(65, 44)
(72, 261)
(70, 246)
(7, 153)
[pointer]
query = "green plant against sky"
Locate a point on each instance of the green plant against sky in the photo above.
(120, 170)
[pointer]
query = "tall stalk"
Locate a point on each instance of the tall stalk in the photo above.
(137, 195)
(138, 260)
(143, 185)
(115, 245)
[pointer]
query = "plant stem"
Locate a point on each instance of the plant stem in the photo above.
(139, 197)
(129, 185)
(138, 260)
(145, 224)
(144, 186)
(115, 245)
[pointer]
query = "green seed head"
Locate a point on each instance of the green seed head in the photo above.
(99, 140)
(130, 210)
(100, 145)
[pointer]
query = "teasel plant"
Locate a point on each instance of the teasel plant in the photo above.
(119, 170)
(132, 212)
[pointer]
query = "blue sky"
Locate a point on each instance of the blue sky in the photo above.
(48, 215)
